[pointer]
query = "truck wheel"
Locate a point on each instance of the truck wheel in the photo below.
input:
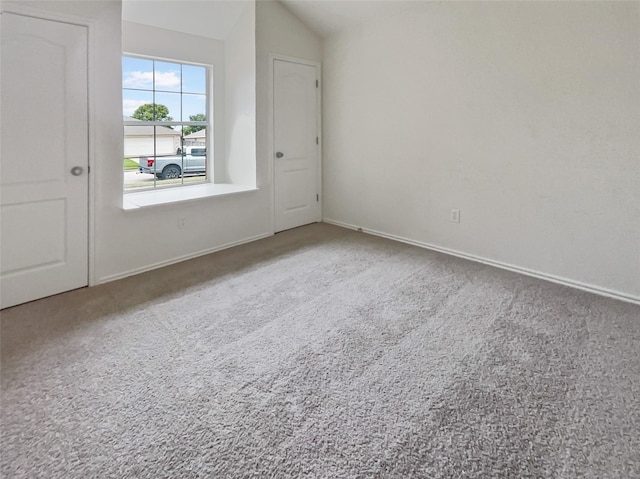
(170, 172)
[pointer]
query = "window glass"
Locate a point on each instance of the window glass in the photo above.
(167, 76)
(164, 107)
(133, 99)
(193, 105)
(168, 107)
(137, 73)
(194, 79)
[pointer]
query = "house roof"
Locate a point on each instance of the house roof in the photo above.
(198, 134)
(147, 130)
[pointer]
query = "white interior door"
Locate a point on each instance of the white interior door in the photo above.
(297, 162)
(43, 158)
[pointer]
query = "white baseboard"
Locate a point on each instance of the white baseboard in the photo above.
(498, 264)
(179, 259)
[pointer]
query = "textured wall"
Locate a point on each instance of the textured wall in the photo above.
(525, 116)
(240, 90)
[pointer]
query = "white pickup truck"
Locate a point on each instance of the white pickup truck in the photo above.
(191, 161)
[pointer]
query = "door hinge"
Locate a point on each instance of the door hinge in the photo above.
(317, 141)
(88, 170)
(316, 83)
(317, 197)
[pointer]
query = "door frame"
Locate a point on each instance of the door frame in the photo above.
(271, 148)
(92, 48)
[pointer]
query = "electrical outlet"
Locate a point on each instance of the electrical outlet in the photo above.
(181, 221)
(455, 215)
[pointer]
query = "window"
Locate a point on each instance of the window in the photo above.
(165, 118)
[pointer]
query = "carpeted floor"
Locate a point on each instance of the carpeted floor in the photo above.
(322, 353)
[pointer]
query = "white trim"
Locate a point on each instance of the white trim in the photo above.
(320, 138)
(179, 259)
(590, 288)
(92, 171)
(143, 56)
(271, 147)
(133, 200)
(165, 123)
(271, 132)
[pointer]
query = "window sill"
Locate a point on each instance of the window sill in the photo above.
(143, 199)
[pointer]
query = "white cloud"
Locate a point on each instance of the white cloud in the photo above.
(167, 79)
(137, 79)
(129, 106)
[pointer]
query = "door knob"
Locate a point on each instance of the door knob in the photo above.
(279, 154)
(76, 170)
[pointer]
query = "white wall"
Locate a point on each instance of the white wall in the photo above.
(136, 240)
(524, 115)
(241, 99)
(211, 19)
(280, 32)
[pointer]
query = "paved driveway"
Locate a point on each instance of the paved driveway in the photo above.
(133, 176)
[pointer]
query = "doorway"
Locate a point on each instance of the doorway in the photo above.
(296, 142)
(43, 164)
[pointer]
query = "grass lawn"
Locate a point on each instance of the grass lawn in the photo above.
(130, 164)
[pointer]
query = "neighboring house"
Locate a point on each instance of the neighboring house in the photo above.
(138, 140)
(196, 139)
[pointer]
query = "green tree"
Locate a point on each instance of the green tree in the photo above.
(192, 129)
(146, 112)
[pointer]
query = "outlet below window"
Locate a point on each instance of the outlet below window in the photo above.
(455, 216)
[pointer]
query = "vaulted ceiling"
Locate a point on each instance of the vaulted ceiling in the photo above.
(325, 17)
(215, 18)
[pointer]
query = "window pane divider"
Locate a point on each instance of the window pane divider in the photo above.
(165, 123)
(186, 92)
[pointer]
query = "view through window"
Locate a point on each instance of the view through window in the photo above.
(165, 112)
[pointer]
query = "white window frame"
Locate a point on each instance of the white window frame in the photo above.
(208, 124)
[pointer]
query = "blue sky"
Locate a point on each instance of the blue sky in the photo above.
(138, 75)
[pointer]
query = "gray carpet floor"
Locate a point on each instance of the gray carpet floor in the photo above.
(322, 353)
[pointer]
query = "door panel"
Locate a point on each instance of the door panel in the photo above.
(43, 207)
(20, 226)
(295, 131)
(295, 189)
